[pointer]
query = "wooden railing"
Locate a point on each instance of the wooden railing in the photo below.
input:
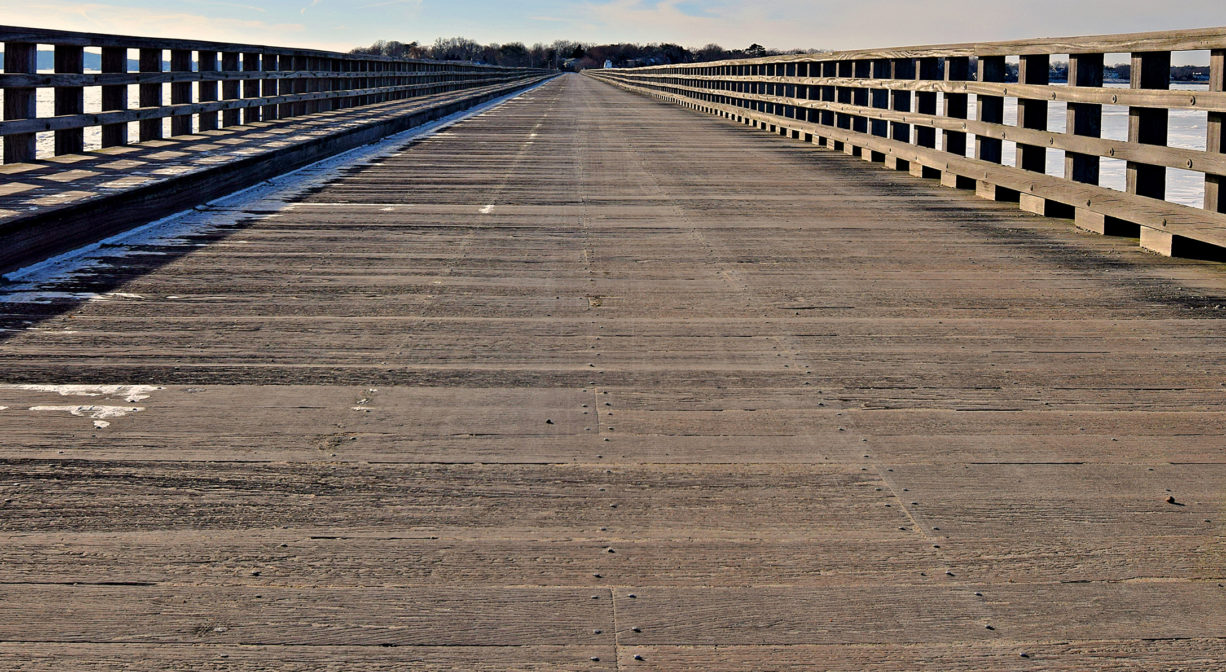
(911, 109)
(210, 85)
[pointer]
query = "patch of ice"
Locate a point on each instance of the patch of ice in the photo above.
(130, 393)
(487, 209)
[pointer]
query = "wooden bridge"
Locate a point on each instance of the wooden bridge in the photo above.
(587, 381)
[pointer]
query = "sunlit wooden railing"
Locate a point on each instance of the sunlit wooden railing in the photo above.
(196, 86)
(911, 108)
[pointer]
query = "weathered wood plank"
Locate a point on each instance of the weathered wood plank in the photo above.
(157, 658)
(373, 616)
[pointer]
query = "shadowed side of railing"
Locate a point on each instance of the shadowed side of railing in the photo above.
(197, 86)
(910, 108)
(149, 141)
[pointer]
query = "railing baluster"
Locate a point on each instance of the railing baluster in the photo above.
(991, 109)
(859, 96)
(927, 69)
(1148, 126)
(231, 88)
(300, 85)
(269, 87)
(285, 86)
(206, 64)
(957, 69)
(20, 102)
(181, 92)
(1032, 113)
(1085, 119)
(251, 87)
(900, 101)
(114, 96)
(69, 100)
(1215, 199)
(151, 94)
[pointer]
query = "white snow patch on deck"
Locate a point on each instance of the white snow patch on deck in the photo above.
(130, 393)
(95, 412)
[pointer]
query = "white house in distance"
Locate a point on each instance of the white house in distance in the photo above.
(608, 64)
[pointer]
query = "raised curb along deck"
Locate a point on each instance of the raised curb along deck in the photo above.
(60, 203)
(591, 383)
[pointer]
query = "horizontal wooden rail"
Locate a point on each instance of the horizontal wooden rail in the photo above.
(197, 86)
(884, 105)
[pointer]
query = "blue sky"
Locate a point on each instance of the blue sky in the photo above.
(815, 24)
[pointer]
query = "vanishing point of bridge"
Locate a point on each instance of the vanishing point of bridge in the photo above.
(586, 381)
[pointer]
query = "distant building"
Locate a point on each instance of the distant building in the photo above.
(608, 64)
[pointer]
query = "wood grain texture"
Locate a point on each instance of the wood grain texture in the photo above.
(591, 377)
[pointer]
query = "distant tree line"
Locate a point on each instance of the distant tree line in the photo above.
(568, 55)
(562, 54)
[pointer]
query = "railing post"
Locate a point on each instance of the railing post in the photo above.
(1148, 126)
(900, 101)
(331, 65)
(20, 102)
(300, 84)
(69, 100)
(151, 94)
(285, 87)
(180, 92)
(1084, 118)
(881, 97)
(843, 93)
(269, 87)
(207, 63)
(1215, 199)
(312, 85)
(114, 96)
(230, 88)
(991, 109)
(957, 69)
(927, 69)
(251, 87)
(1032, 69)
(830, 69)
(859, 96)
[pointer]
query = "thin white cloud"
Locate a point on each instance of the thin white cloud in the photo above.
(98, 17)
(410, 4)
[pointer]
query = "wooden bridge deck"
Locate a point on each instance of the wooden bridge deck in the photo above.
(591, 382)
